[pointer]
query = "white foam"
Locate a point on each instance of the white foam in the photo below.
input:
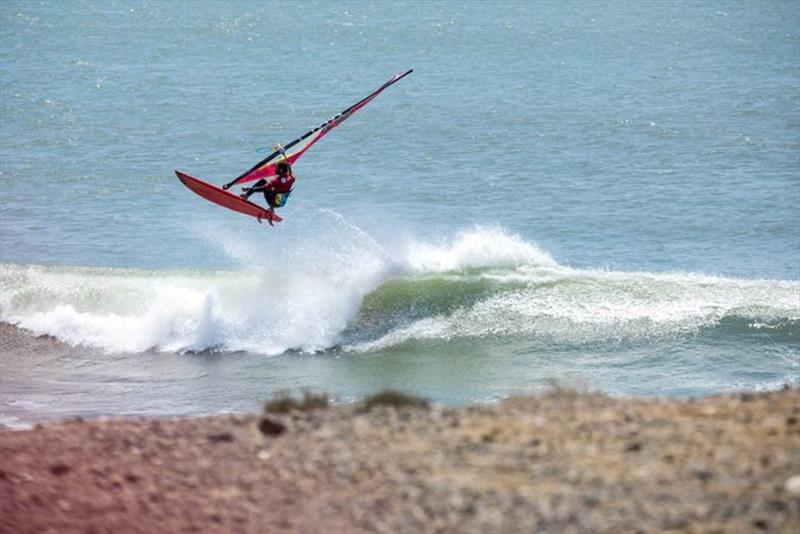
(284, 297)
(480, 247)
(267, 311)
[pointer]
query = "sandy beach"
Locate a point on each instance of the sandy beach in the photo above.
(560, 462)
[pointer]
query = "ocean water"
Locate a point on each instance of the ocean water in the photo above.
(602, 192)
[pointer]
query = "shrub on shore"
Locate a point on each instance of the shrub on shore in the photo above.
(394, 399)
(283, 402)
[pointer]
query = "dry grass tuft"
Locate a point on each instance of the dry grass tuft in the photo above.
(283, 402)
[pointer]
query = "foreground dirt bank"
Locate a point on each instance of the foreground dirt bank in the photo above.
(555, 463)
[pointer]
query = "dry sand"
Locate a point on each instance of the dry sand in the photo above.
(561, 462)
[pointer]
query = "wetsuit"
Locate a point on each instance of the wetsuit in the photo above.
(276, 191)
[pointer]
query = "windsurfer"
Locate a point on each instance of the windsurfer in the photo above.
(276, 191)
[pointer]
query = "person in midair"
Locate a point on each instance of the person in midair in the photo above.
(276, 190)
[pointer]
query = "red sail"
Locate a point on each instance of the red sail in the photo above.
(266, 167)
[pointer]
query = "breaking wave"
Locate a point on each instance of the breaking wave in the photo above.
(360, 295)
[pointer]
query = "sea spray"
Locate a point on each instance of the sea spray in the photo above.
(479, 247)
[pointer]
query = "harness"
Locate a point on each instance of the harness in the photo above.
(279, 199)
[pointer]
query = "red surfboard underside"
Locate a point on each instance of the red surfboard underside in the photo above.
(217, 195)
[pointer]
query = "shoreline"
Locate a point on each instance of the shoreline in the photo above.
(558, 461)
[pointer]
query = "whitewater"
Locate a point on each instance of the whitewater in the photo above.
(484, 283)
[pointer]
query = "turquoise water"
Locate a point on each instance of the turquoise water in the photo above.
(607, 192)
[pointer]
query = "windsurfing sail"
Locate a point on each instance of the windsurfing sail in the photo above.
(266, 167)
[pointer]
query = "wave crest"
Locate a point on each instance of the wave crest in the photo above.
(480, 247)
(573, 307)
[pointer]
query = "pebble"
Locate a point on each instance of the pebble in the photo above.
(792, 485)
(271, 426)
(221, 437)
(59, 469)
